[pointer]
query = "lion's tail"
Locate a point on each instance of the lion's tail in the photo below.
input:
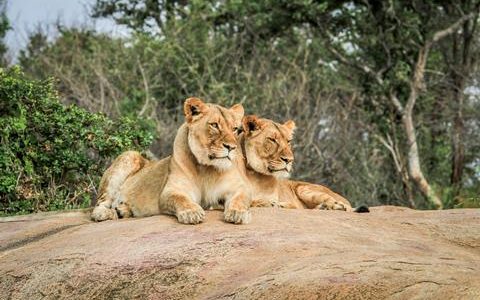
(362, 208)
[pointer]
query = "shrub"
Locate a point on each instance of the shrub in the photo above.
(52, 156)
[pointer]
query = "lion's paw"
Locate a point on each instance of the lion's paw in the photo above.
(102, 213)
(332, 205)
(123, 211)
(237, 216)
(263, 203)
(276, 204)
(191, 216)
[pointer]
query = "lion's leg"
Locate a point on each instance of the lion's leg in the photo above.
(236, 209)
(182, 206)
(291, 204)
(263, 203)
(316, 196)
(127, 164)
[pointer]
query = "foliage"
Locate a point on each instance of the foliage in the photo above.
(51, 155)
(141, 15)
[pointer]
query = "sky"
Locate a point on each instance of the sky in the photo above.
(26, 15)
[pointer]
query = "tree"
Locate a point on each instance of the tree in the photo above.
(460, 54)
(4, 28)
(140, 15)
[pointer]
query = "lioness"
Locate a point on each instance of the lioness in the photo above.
(202, 171)
(269, 158)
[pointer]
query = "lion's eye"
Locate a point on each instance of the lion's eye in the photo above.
(272, 140)
(237, 130)
(214, 125)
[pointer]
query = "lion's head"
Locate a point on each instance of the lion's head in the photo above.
(213, 131)
(267, 146)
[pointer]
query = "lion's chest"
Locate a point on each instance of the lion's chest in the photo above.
(216, 189)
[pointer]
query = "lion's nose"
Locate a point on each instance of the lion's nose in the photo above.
(286, 160)
(229, 147)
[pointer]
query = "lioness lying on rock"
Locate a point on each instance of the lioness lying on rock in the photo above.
(269, 159)
(203, 170)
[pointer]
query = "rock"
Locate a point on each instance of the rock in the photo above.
(390, 253)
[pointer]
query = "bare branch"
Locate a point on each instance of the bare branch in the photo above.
(452, 28)
(147, 89)
(398, 105)
(417, 83)
(390, 147)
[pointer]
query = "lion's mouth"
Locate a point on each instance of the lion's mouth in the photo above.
(271, 170)
(212, 157)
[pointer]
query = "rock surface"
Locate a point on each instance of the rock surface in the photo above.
(391, 253)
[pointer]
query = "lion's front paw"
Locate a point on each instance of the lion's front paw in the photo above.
(102, 213)
(262, 203)
(192, 215)
(332, 205)
(276, 204)
(123, 211)
(237, 216)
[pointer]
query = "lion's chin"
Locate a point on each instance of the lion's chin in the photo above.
(221, 164)
(281, 174)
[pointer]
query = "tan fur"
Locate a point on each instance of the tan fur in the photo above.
(269, 158)
(127, 164)
(204, 170)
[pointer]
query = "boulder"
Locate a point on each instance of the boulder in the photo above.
(390, 253)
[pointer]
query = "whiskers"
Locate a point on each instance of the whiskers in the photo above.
(280, 169)
(221, 159)
(221, 153)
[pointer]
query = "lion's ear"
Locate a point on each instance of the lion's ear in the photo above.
(290, 125)
(251, 123)
(193, 109)
(238, 111)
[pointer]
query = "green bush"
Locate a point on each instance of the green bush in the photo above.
(52, 156)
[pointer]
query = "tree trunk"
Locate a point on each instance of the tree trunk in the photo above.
(458, 148)
(414, 168)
